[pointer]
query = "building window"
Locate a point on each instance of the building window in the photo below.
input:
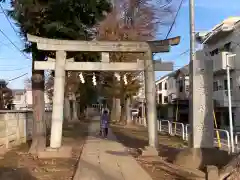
(165, 99)
(215, 86)
(214, 52)
(160, 98)
(227, 47)
(160, 86)
(226, 118)
(180, 85)
(225, 84)
(165, 86)
(187, 88)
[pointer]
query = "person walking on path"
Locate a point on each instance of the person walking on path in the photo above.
(104, 122)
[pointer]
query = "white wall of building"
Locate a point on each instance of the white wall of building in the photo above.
(162, 90)
(217, 50)
(23, 100)
(19, 99)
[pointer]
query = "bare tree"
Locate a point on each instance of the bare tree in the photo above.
(131, 20)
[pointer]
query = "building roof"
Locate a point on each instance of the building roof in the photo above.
(227, 25)
(184, 70)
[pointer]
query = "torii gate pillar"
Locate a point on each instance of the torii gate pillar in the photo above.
(58, 100)
(150, 94)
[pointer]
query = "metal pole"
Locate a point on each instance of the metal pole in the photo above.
(230, 105)
(191, 70)
(192, 30)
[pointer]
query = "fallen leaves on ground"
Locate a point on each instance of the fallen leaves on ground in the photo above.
(18, 164)
(136, 138)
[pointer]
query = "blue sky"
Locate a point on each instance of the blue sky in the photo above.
(208, 13)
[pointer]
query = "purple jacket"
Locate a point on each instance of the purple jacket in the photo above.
(104, 121)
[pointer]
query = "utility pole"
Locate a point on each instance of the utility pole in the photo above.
(191, 66)
(192, 30)
(230, 101)
(200, 96)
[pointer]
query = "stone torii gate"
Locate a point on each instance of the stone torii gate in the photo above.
(61, 64)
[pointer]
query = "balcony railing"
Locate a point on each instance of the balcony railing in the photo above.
(221, 98)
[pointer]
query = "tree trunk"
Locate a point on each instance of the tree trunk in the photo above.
(128, 112)
(74, 108)
(123, 114)
(39, 124)
(118, 109)
(79, 110)
(75, 116)
(66, 109)
(123, 110)
(113, 109)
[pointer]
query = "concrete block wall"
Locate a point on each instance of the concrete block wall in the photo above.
(16, 126)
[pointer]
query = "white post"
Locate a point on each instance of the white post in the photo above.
(128, 111)
(150, 93)
(58, 100)
(230, 102)
(6, 120)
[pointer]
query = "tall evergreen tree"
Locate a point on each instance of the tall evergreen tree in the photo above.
(65, 19)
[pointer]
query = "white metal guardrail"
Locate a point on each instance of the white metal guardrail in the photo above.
(178, 129)
(182, 130)
(236, 140)
(187, 126)
(224, 139)
(165, 126)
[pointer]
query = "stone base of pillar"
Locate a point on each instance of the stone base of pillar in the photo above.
(150, 151)
(212, 173)
(199, 158)
(62, 152)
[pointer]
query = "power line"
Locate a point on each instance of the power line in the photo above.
(14, 44)
(17, 77)
(175, 18)
(10, 22)
(6, 16)
(17, 69)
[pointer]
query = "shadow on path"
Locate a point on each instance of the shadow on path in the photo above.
(88, 170)
(10, 173)
(137, 139)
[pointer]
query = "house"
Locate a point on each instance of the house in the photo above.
(19, 99)
(162, 89)
(22, 99)
(29, 100)
(178, 95)
(172, 94)
(218, 43)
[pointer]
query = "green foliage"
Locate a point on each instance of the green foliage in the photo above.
(59, 19)
(6, 96)
(65, 19)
